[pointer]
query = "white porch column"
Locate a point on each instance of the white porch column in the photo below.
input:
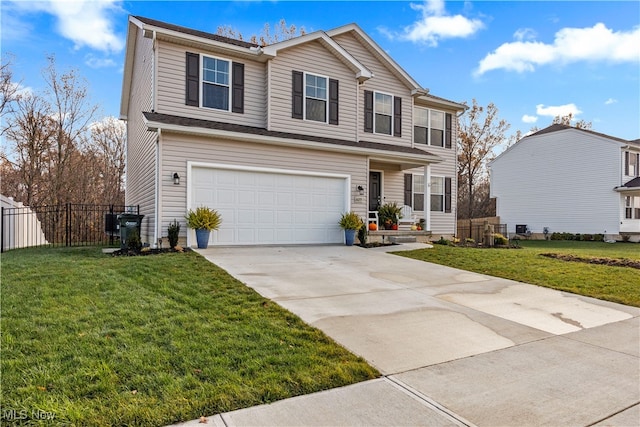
(427, 197)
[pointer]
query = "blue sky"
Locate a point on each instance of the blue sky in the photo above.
(533, 60)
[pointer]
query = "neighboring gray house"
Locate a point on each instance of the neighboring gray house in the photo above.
(280, 139)
(569, 180)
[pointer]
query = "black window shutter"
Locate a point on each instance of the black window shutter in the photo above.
(192, 85)
(333, 102)
(237, 94)
(447, 130)
(637, 164)
(626, 163)
(447, 195)
(368, 111)
(408, 189)
(397, 116)
(297, 95)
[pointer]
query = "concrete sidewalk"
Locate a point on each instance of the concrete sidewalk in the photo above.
(455, 348)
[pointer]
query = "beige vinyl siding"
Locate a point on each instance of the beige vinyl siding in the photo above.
(171, 88)
(443, 223)
(141, 144)
(177, 150)
(311, 58)
(383, 81)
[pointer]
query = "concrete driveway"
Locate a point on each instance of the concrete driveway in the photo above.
(455, 348)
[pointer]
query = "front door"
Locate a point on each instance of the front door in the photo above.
(375, 190)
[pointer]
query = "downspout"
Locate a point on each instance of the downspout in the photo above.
(427, 196)
(158, 174)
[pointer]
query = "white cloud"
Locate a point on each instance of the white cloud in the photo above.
(610, 101)
(84, 22)
(558, 110)
(435, 25)
(529, 119)
(94, 62)
(597, 43)
(524, 34)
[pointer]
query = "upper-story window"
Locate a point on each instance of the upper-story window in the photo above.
(383, 113)
(631, 163)
(431, 127)
(316, 96)
(215, 83)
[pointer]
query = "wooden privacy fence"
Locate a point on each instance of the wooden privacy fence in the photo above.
(476, 230)
(71, 224)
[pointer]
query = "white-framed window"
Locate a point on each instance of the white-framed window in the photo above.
(428, 126)
(437, 194)
(631, 207)
(632, 168)
(216, 83)
(383, 113)
(418, 192)
(316, 98)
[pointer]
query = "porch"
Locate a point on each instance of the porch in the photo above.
(399, 236)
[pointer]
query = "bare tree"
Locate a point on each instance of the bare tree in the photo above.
(107, 143)
(281, 32)
(8, 89)
(566, 120)
(480, 131)
(72, 113)
(31, 129)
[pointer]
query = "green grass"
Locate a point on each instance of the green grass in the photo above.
(617, 284)
(100, 340)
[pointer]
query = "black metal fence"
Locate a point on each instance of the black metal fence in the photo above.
(70, 224)
(476, 231)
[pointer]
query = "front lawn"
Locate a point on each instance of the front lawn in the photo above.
(617, 284)
(90, 339)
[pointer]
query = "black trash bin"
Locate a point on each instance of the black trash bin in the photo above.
(128, 223)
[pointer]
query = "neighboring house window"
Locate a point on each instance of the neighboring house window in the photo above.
(414, 192)
(316, 96)
(432, 127)
(382, 113)
(214, 83)
(631, 163)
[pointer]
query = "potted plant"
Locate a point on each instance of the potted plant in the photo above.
(203, 220)
(350, 222)
(389, 214)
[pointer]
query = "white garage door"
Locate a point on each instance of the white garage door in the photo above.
(261, 207)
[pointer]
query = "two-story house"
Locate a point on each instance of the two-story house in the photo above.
(280, 139)
(569, 180)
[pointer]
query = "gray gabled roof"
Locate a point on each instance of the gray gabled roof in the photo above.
(558, 127)
(634, 183)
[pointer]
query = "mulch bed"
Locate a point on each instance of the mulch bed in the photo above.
(621, 262)
(149, 251)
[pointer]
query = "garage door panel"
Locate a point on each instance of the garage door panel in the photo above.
(271, 208)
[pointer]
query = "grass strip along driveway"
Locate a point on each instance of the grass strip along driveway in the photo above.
(611, 283)
(90, 339)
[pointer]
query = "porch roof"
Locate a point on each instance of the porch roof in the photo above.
(385, 152)
(630, 186)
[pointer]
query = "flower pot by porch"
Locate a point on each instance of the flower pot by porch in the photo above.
(349, 237)
(202, 237)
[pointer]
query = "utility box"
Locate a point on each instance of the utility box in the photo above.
(521, 229)
(129, 223)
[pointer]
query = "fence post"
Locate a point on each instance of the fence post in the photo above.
(67, 224)
(2, 230)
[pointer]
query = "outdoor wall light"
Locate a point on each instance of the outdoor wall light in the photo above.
(176, 178)
(361, 190)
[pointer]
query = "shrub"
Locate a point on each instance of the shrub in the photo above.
(442, 241)
(470, 241)
(351, 221)
(133, 242)
(500, 240)
(587, 237)
(173, 232)
(598, 237)
(203, 218)
(362, 235)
